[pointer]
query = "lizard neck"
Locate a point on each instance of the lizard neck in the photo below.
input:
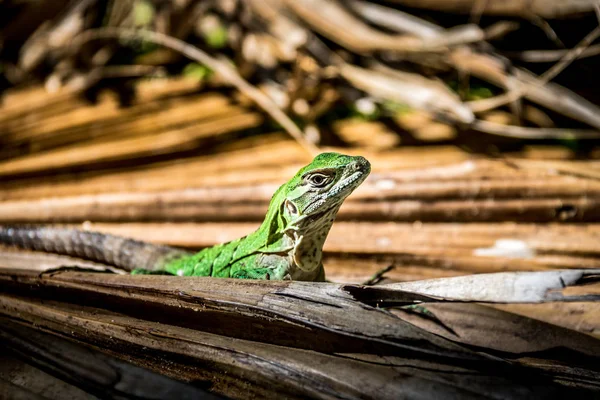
(308, 240)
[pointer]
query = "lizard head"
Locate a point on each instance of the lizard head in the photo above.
(319, 188)
(302, 211)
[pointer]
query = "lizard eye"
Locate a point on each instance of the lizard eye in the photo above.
(318, 180)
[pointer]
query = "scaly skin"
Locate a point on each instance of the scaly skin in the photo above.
(287, 245)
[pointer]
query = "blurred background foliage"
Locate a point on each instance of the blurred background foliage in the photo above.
(483, 71)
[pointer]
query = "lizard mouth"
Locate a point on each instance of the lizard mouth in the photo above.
(350, 181)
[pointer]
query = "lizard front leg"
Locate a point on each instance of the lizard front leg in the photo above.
(268, 267)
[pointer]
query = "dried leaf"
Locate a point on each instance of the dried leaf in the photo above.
(505, 287)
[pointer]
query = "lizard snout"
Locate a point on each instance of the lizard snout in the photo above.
(361, 164)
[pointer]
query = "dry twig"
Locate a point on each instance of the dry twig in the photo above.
(221, 67)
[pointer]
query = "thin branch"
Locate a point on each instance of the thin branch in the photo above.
(407, 88)
(541, 56)
(486, 67)
(500, 29)
(533, 133)
(545, 27)
(477, 10)
(395, 20)
(568, 58)
(122, 71)
(335, 22)
(219, 66)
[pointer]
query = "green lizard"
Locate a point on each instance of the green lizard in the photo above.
(287, 245)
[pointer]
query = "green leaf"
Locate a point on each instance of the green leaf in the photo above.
(197, 71)
(216, 37)
(396, 107)
(478, 93)
(143, 13)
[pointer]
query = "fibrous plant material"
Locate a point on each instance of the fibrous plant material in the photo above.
(347, 337)
(306, 46)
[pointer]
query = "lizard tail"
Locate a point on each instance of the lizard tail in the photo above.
(117, 251)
